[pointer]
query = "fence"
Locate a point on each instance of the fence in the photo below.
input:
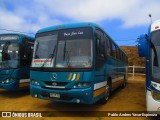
(136, 70)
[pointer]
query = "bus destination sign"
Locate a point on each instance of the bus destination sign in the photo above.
(9, 37)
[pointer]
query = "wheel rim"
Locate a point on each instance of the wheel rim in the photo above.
(107, 93)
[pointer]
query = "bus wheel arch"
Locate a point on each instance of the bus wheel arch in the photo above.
(107, 93)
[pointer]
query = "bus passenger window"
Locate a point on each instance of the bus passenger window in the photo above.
(97, 45)
(117, 53)
(107, 46)
(113, 53)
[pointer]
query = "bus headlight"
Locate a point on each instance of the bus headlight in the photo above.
(34, 82)
(7, 80)
(82, 85)
(155, 95)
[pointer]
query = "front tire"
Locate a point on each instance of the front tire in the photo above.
(106, 94)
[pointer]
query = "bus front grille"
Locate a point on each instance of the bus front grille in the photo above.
(56, 88)
(55, 83)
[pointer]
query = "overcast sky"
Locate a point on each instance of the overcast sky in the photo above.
(123, 20)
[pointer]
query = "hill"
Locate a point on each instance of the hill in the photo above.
(133, 58)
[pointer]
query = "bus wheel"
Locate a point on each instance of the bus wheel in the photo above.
(123, 85)
(106, 95)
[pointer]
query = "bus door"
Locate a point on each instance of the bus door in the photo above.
(100, 76)
(25, 62)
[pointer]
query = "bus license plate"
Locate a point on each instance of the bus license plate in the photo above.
(55, 95)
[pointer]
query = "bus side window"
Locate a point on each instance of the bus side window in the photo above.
(100, 49)
(117, 53)
(113, 52)
(107, 46)
(97, 46)
(121, 56)
(154, 55)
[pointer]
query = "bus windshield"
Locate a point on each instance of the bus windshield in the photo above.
(9, 55)
(74, 53)
(155, 48)
(68, 48)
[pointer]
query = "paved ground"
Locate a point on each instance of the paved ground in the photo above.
(131, 98)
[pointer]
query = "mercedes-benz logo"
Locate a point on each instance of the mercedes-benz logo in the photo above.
(53, 76)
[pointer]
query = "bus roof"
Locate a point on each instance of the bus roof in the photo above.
(66, 26)
(74, 25)
(19, 34)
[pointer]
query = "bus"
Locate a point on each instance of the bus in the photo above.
(15, 59)
(149, 47)
(76, 63)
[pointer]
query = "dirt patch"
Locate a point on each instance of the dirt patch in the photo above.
(131, 98)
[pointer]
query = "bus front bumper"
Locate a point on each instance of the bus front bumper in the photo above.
(14, 85)
(153, 106)
(84, 96)
(9, 86)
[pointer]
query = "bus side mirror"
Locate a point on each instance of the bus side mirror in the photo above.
(142, 45)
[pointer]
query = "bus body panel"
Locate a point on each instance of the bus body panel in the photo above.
(76, 86)
(4, 74)
(65, 86)
(146, 48)
(70, 96)
(15, 78)
(142, 45)
(18, 82)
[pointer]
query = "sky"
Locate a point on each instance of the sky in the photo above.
(123, 20)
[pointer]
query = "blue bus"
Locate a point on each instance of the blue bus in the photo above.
(149, 47)
(76, 63)
(15, 59)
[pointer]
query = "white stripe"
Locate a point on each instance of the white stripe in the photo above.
(55, 86)
(116, 79)
(158, 85)
(74, 77)
(24, 80)
(99, 85)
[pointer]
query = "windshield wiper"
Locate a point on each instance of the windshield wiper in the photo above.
(37, 45)
(67, 58)
(53, 53)
(52, 56)
(66, 55)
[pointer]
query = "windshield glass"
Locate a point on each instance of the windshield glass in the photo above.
(74, 53)
(44, 50)
(155, 52)
(9, 55)
(68, 48)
